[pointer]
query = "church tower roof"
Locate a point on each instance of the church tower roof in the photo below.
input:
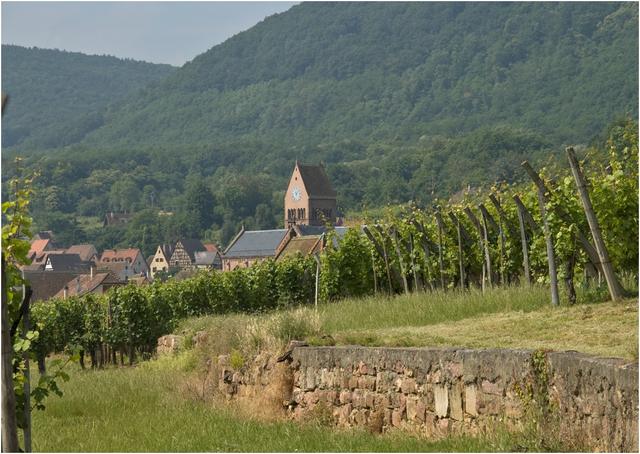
(316, 181)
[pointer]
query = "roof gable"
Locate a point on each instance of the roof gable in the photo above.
(85, 251)
(38, 246)
(191, 246)
(304, 245)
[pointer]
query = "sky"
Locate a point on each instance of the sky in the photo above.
(157, 32)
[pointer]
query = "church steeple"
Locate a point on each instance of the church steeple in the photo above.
(310, 198)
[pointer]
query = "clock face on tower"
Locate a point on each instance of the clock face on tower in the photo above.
(296, 194)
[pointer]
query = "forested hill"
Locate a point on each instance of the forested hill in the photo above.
(398, 71)
(402, 101)
(56, 97)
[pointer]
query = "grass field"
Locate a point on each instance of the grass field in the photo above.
(145, 409)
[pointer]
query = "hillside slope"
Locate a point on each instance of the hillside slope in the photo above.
(56, 96)
(397, 71)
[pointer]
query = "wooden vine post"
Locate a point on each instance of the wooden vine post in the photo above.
(484, 252)
(488, 219)
(381, 249)
(615, 289)
(460, 256)
(403, 271)
(413, 263)
(440, 223)
(523, 237)
(375, 277)
(553, 275)
(425, 241)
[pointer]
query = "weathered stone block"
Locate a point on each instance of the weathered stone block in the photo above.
(343, 414)
(455, 400)
(489, 405)
(398, 401)
(367, 382)
(327, 378)
(330, 397)
(384, 381)
(309, 379)
(345, 397)
(443, 426)
(415, 409)
(435, 376)
(408, 385)
(492, 388)
(441, 395)
(311, 398)
(382, 401)
(360, 417)
(396, 417)
(369, 399)
(470, 400)
(363, 369)
(454, 369)
(358, 399)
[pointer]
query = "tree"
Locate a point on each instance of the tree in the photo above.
(199, 204)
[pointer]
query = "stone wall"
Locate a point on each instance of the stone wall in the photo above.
(592, 401)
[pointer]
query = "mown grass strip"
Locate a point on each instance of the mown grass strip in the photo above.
(607, 329)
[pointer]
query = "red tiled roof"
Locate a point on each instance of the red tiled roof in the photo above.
(85, 251)
(38, 247)
(123, 254)
(210, 247)
(85, 283)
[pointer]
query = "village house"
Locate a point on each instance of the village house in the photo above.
(43, 235)
(306, 240)
(124, 263)
(251, 246)
(97, 283)
(87, 252)
(183, 256)
(160, 260)
(207, 260)
(310, 198)
(39, 247)
(46, 284)
(67, 262)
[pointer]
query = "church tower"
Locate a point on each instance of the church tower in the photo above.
(310, 199)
